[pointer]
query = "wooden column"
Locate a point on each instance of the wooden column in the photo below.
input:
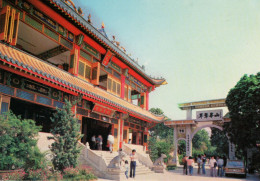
(122, 86)
(147, 100)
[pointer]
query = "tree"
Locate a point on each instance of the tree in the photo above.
(220, 141)
(18, 141)
(66, 135)
(243, 102)
(156, 111)
(201, 140)
(165, 134)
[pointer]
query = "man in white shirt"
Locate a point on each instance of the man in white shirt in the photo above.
(220, 166)
(213, 165)
(110, 140)
(133, 158)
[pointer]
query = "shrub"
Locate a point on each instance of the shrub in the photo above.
(70, 172)
(17, 143)
(66, 135)
(55, 176)
(39, 174)
(81, 173)
(16, 175)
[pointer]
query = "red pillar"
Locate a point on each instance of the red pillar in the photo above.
(122, 86)
(121, 132)
(147, 100)
(77, 51)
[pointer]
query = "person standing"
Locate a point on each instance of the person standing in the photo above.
(220, 163)
(126, 169)
(133, 158)
(213, 166)
(100, 142)
(93, 140)
(199, 163)
(190, 163)
(110, 140)
(185, 167)
(204, 159)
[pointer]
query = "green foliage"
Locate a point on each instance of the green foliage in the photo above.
(201, 140)
(66, 135)
(163, 132)
(18, 144)
(243, 102)
(78, 174)
(157, 148)
(182, 147)
(39, 174)
(156, 111)
(153, 152)
(220, 141)
(15, 175)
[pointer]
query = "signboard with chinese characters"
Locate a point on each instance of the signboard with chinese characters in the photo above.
(209, 115)
(103, 110)
(107, 58)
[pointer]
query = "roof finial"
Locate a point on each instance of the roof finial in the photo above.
(89, 19)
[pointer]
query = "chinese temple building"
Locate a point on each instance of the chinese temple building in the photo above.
(49, 53)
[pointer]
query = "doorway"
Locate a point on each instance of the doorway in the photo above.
(92, 127)
(27, 110)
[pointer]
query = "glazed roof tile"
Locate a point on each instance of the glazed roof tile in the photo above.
(29, 63)
(66, 9)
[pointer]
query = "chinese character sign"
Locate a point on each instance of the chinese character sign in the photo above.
(209, 115)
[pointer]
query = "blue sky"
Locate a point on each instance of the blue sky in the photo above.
(201, 47)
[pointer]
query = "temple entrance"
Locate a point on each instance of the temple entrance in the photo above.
(92, 127)
(137, 137)
(27, 110)
(187, 128)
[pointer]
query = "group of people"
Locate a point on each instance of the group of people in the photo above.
(97, 142)
(216, 164)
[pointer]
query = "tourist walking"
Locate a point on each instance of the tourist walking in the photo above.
(185, 169)
(190, 163)
(220, 163)
(133, 158)
(93, 142)
(99, 142)
(199, 161)
(110, 140)
(204, 160)
(126, 169)
(213, 167)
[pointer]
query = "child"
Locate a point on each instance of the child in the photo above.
(126, 169)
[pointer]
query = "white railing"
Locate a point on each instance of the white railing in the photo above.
(97, 160)
(141, 156)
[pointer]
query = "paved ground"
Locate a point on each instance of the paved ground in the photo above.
(177, 175)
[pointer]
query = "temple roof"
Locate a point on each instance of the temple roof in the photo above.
(71, 14)
(37, 67)
(203, 104)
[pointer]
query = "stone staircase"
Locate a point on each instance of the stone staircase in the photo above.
(140, 168)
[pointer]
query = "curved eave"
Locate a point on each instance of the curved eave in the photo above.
(68, 12)
(33, 66)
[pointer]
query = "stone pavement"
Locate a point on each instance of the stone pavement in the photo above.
(176, 175)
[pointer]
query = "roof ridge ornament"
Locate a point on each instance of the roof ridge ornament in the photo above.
(70, 3)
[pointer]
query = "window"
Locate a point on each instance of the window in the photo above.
(84, 70)
(114, 86)
(126, 92)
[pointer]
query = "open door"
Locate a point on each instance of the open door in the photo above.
(4, 103)
(4, 22)
(15, 29)
(9, 22)
(95, 73)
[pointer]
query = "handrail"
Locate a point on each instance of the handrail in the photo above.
(98, 161)
(142, 157)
